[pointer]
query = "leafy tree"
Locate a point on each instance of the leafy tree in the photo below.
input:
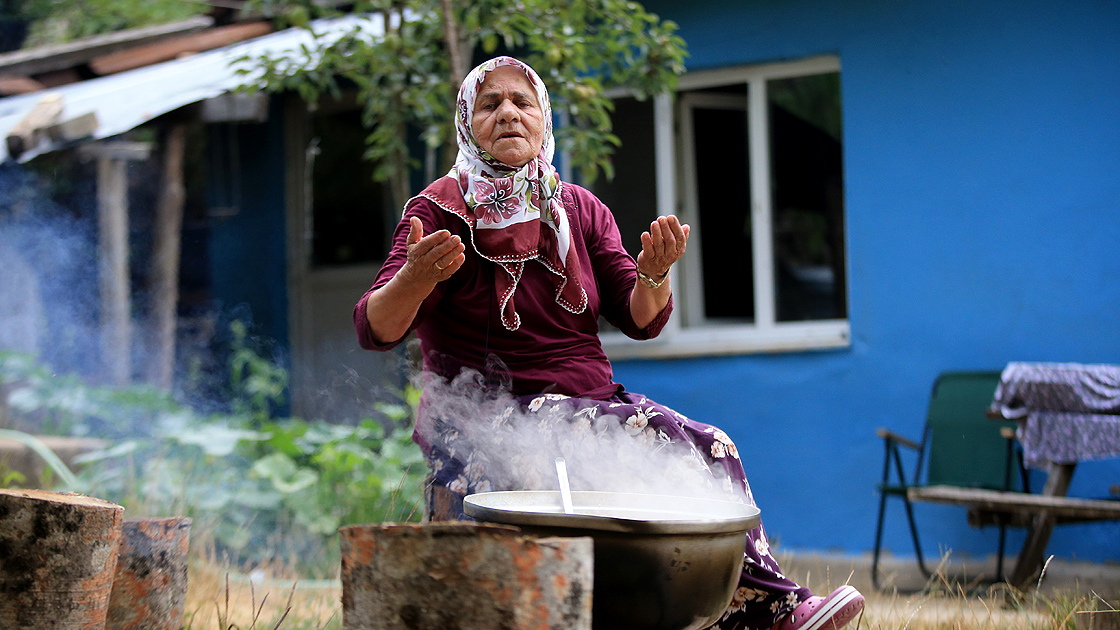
(59, 21)
(409, 77)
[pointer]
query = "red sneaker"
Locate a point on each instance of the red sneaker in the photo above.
(824, 613)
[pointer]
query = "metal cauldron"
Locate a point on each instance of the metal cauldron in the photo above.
(661, 562)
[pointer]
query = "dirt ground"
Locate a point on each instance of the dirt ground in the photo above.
(952, 600)
(956, 597)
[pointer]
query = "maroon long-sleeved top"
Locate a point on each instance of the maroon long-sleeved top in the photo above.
(553, 350)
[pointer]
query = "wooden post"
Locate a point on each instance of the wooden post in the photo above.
(165, 256)
(112, 211)
(463, 575)
(58, 552)
(150, 586)
(116, 318)
(1029, 564)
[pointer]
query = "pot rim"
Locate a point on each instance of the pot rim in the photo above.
(614, 512)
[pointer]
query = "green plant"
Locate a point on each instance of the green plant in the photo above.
(41, 401)
(42, 450)
(256, 383)
(58, 21)
(258, 487)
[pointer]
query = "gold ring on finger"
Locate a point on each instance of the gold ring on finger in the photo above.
(438, 266)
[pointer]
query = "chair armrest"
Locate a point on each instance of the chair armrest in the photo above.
(894, 437)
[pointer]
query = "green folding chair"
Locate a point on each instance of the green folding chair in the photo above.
(961, 446)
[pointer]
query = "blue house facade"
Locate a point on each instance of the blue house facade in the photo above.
(950, 202)
(981, 209)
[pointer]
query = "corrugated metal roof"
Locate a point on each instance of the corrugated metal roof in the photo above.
(126, 100)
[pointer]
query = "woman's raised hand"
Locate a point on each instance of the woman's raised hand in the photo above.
(432, 258)
(662, 245)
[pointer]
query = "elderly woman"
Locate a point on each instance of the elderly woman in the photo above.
(501, 268)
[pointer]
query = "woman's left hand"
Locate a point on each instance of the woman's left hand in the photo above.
(662, 245)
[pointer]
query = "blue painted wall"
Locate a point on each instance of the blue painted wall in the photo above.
(982, 164)
(247, 250)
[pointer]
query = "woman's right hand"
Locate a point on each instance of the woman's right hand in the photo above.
(432, 258)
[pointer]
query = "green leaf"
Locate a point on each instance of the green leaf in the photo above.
(217, 440)
(286, 477)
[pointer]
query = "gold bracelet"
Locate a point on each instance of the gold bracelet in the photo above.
(648, 281)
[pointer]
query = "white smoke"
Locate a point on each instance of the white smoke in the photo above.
(517, 445)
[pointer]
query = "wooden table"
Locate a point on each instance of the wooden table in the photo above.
(1067, 413)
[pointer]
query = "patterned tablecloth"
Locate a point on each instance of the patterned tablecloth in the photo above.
(1068, 412)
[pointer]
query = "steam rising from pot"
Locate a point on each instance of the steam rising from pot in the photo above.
(509, 445)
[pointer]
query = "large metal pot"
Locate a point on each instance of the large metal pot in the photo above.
(661, 562)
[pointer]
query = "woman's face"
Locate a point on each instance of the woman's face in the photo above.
(508, 122)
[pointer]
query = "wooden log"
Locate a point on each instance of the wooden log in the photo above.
(150, 585)
(467, 576)
(58, 552)
(165, 256)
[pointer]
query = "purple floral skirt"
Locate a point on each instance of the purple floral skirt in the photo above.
(485, 442)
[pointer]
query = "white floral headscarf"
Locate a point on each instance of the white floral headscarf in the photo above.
(515, 214)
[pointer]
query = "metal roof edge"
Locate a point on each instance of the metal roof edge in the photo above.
(58, 56)
(126, 100)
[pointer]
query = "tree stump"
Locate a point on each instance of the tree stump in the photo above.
(58, 551)
(463, 576)
(150, 586)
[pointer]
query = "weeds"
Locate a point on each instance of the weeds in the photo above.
(258, 487)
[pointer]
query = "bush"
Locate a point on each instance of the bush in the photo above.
(258, 488)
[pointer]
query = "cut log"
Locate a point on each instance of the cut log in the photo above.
(463, 575)
(150, 586)
(58, 552)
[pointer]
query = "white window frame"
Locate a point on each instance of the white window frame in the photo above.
(687, 333)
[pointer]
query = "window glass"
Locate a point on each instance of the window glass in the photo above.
(349, 222)
(719, 137)
(752, 158)
(807, 198)
(632, 193)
